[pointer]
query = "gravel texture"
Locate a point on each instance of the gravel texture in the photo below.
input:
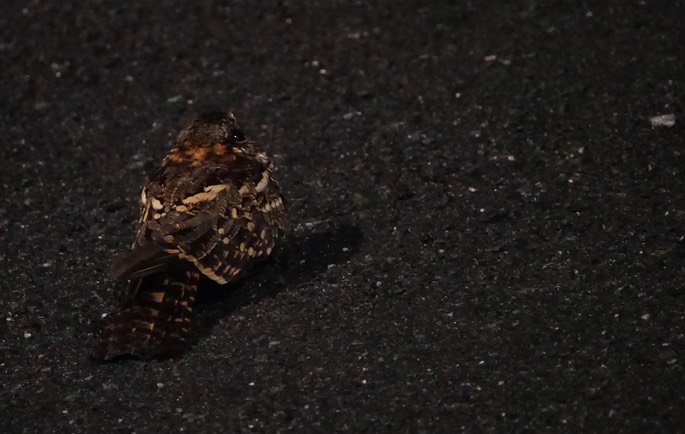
(486, 207)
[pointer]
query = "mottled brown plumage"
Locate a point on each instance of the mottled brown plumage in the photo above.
(212, 208)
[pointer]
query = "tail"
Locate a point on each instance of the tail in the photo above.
(155, 321)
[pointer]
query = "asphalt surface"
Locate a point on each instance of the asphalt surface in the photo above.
(487, 230)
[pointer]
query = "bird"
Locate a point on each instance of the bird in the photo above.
(214, 209)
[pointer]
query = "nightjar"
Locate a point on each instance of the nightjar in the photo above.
(213, 208)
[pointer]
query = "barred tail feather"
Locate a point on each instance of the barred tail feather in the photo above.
(155, 321)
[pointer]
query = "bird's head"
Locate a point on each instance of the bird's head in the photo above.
(219, 129)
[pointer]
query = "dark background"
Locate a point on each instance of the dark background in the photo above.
(487, 232)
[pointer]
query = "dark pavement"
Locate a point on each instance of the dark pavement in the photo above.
(487, 231)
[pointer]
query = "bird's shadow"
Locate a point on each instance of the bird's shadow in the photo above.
(304, 255)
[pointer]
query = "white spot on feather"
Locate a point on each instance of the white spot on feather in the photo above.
(209, 194)
(263, 182)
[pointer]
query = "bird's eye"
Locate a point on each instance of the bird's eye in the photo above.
(237, 135)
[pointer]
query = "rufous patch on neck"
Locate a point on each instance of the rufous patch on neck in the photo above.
(219, 149)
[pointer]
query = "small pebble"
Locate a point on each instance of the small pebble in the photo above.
(663, 120)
